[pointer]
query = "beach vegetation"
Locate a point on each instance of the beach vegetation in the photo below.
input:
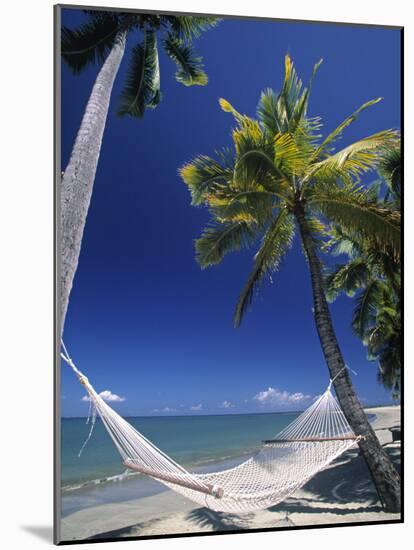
(371, 275)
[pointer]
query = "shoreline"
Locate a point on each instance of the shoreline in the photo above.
(127, 476)
(341, 493)
(133, 487)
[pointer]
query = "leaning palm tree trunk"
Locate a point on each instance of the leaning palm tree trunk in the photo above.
(385, 476)
(77, 182)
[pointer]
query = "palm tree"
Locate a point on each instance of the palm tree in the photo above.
(102, 40)
(282, 178)
(373, 277)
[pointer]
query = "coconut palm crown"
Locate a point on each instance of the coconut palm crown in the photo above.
(92, 41)
(281, 169)
(373, 280)
(372, 277)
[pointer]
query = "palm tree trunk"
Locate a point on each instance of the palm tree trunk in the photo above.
(78, 178)
(385, 476)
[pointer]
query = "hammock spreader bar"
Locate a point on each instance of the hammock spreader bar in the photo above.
(209, 489)
(312, 439)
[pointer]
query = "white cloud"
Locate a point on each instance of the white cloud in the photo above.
(273, 396)
(226, 405)
(164, 410)
(106, 396)
(198, 407)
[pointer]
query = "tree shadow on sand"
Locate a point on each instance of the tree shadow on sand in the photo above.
(219, 521)
(348, 480)
(129, 531)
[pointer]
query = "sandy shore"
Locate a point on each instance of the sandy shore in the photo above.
(341, 493)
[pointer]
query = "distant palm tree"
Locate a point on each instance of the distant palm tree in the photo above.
(102, 40)
(373, 276)
(281, 177)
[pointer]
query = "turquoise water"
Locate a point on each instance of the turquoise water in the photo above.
(193, 441)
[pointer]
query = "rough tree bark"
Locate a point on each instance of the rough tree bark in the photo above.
(385, 476)
(78, 178)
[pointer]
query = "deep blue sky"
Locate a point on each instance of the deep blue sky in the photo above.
(144, 321)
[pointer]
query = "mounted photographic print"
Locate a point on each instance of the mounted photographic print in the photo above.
(228, 274)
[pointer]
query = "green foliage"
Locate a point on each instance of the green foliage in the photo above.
(190, 27)
(347, 278)
(275, 243)
(92, 41)
(203, 175)
(372, 275)
(142, 83)
(351, 207)
(389, 169)
(366, 305)
(221, 238)
(283, 112)
(325, 146)
(190, 68)
(355, 160)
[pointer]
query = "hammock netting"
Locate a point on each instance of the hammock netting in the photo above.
(281, 466)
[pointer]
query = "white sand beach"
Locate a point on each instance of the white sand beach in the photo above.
(341, 493)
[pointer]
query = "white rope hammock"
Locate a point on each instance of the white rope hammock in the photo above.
(283, 464)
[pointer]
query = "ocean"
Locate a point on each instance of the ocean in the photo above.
(200, 443)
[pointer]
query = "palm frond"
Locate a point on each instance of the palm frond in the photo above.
(248, 133)
(189, 66)
(347, 278)
(290, 156)
(301, 105)
(275, 243)
(227, 107)
(389, 169)
(283, 112)
(187, 27)
(316, 227)
(248, 136)
(268, 112)
(283, 116)
(367, 304)
(275, 111)
(341, 242)
(254, 160)
(349, 208)
(333, 136)
(291, 91)
(219, 239)
(90, 43)
(358, 158)
(255, 166)
(255, 205)
(142, 83)
(203, 175)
